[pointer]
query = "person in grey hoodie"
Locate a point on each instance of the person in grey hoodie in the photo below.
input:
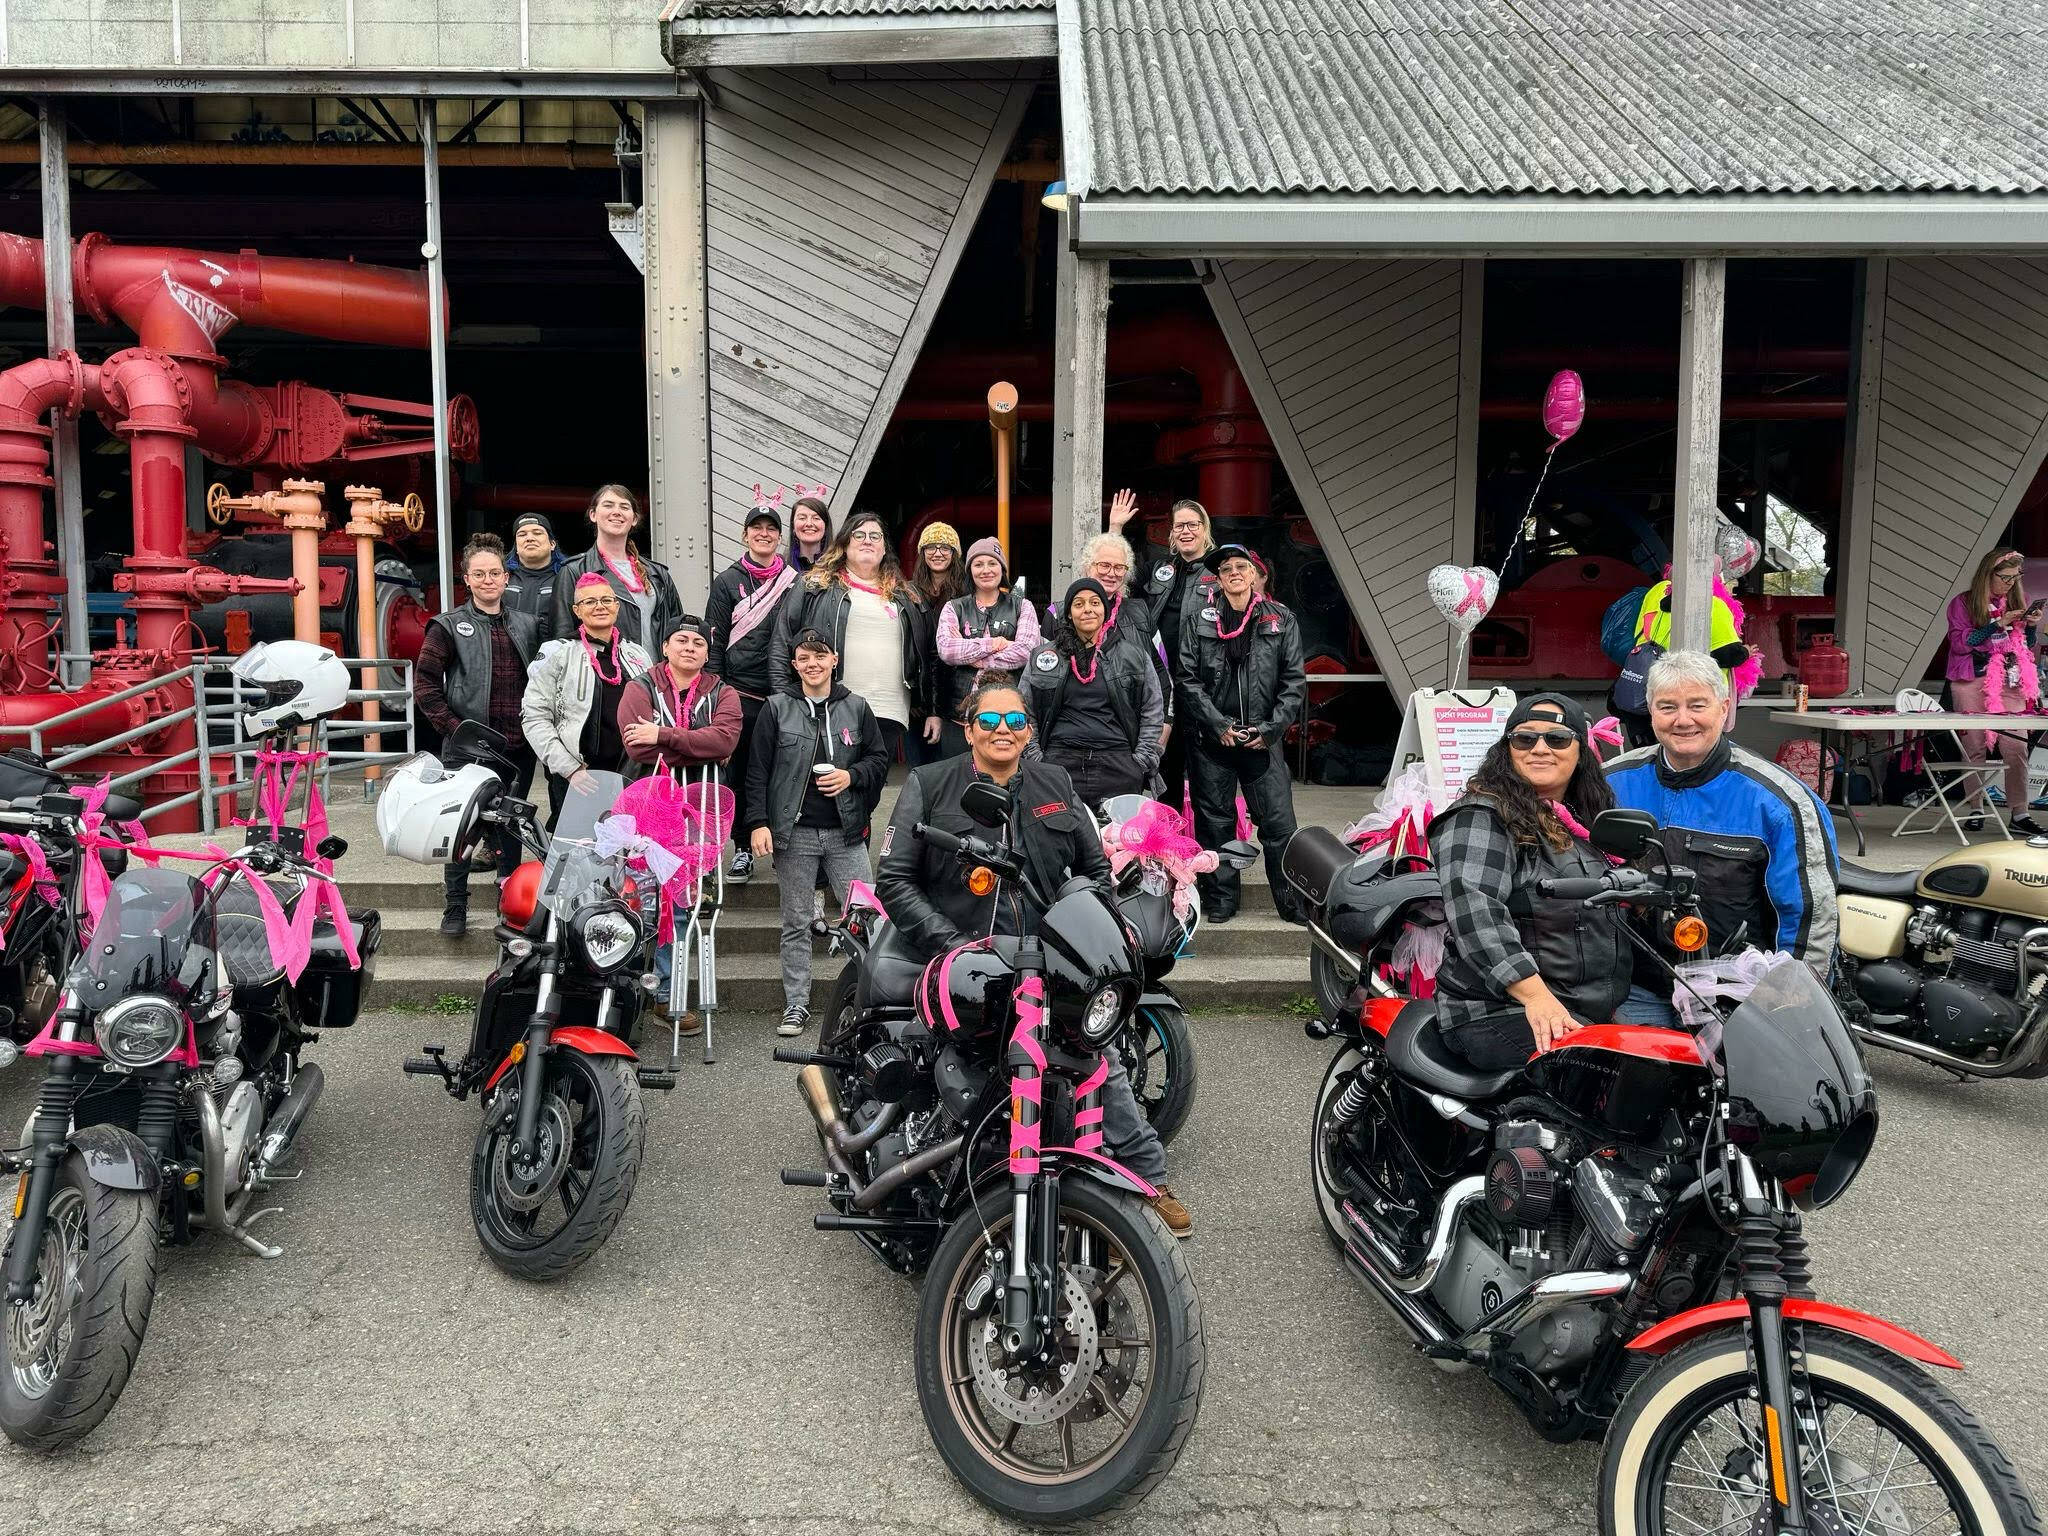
(816, 771)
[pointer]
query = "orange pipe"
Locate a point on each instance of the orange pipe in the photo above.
(1002, 422)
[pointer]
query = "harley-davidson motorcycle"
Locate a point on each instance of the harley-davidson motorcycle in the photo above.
(564, 1126)
(175, 1087)
(1059, 1338)
(1612, 1235)
(35, 937)
(1950, 963)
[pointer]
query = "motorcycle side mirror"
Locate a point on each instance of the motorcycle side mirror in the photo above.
(987, 804)
(1623, 832)
(1238, 853)
(332, 847)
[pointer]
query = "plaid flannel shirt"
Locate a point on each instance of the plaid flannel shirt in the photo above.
(1475, 863)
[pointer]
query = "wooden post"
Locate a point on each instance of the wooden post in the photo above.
(678, 342)
(59, 316)
(1859, 475)
(1704, 306)
(1080, 348)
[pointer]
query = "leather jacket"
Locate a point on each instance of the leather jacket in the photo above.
(747, 662)
(1133, 684)
(825, 609)
(466, 680)
(787, 743)
(1266, 693)
(667, 605)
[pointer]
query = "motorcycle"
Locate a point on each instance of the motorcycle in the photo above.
(1947, 963)
(1059, 1347)
(1612, 1234)
(176, 1086)
(564, 1126)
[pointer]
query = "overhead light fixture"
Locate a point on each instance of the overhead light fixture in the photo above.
(1055, 197)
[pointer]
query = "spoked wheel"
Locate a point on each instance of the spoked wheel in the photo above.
(1101, 1417)
(541, 1218)
(1886, 1452)
(69, 1351)
(1158, 1053)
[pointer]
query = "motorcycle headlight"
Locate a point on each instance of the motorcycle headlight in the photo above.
(140, 1031)
(608, 934)
(1103, 1015)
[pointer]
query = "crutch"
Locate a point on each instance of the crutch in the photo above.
(697, 942)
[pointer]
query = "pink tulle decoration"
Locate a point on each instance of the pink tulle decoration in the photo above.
(1155, 835)
(691, 820)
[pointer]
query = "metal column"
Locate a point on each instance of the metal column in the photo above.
(1079, 370)
(437, 349)
(678, 340)
(74, 633)
(1704, 306)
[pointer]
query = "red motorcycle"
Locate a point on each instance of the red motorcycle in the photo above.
(1613, 1235)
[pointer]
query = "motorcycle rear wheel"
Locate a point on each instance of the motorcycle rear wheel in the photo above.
(595, 1100)
(1159, 1058)
(1124, 1428)
(1330, 986)
(836, 1031)
(1896, 1453)
(69, 1352)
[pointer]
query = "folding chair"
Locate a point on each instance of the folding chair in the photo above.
(1950, 786)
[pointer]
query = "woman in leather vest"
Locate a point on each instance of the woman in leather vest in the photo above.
(1522, 969)
(993, 628)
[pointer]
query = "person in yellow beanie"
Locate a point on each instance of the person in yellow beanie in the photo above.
(938, 579)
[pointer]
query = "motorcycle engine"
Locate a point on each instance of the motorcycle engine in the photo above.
(1958, 984)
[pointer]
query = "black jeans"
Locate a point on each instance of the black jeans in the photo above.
(736, 770)
(1099, 775)
(455, 877)
(1173, 768)
(893, 736)
(1495, 1042)
(1218, 774)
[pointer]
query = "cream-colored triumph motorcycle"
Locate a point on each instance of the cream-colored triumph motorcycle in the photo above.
(1950, 963)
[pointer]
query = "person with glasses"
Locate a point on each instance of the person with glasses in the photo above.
(1992, 670)
(472, 666)
(1167, 579)
(570, 712)
(1521, 969)
(856, 597)
(925, 892)
(1760, 841)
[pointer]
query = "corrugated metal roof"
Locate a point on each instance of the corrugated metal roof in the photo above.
(1571, 96)
(707, 10)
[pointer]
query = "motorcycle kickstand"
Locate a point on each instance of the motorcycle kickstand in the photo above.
(254, 1244)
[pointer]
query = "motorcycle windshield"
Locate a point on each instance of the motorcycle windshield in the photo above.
(1800, 1098)
(155, 934)
(576, 872)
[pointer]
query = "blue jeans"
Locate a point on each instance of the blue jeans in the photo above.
(1642, 1006)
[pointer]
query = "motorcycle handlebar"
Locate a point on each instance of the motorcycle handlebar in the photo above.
(1576, 888)
(937, 837)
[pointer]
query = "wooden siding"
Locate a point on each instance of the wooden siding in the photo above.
(1947, 441)
(835, 215)
(1366, 373)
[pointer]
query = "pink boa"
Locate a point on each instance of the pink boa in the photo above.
(2011, 644)
(692, 822)
(1743, 679)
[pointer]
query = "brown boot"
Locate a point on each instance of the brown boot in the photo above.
(692, 1023)
(1173, 1213)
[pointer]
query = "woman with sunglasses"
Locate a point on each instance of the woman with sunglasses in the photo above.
(1099, 708)
(856, 597)
(1992, 670)
(570, 711)
(1522, 969)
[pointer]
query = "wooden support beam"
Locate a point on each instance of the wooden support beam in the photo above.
(60, 320)
(678, 342)
(1703, 301)
(1859, 478)
(1080, 363)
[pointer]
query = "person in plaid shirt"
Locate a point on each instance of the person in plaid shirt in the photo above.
(1521, 969)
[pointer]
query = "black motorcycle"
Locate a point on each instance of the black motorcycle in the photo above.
(175, 1088)
(1059, 1338)
(35, 934)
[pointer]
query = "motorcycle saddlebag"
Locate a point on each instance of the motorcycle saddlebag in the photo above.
(331, 992)
(1312, 860)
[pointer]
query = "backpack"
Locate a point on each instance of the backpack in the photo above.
(1618, 626)
(1631, 695)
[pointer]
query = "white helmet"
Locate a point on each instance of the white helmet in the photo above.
(428, 813)
(298, 681)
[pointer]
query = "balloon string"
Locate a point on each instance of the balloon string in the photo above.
(1529, 511)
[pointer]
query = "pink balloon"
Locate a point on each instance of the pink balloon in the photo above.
(1564, 405)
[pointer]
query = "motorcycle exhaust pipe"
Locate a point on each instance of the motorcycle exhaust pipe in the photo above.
(213, 1177)
(2030, 1042)
(290, 1118)
(1553, 1293)
(818, 1092)
(1342, 957)
(1416, 1278)
(1417, 1314)
(823, 1103)
(910, 1168)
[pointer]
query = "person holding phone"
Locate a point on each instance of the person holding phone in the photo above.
(1992, 671)
(816, 770)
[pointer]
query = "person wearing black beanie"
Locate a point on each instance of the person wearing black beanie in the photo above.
(1099, 709)
(530, 574)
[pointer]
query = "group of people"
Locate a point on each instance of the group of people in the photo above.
(817, 662)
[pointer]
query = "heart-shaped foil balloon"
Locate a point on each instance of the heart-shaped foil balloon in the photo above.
(1736, 550)
(1463, 594)
(1564, 406)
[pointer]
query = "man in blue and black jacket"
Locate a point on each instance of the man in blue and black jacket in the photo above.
(1759, 840)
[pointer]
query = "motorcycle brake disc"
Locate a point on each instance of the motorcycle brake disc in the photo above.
(528, 1186)
(1025, 1394)
(1119, 1367)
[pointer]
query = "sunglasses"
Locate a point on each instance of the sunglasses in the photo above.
(990, 719)
(1527, 741)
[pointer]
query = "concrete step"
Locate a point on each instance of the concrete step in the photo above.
(753, 983)
(415, 933)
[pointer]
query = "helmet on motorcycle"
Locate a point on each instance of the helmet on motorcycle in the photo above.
(296, 682)
(428, 813)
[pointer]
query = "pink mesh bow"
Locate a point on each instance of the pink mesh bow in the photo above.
(1154, 835)
(691, 822)
(40, 881)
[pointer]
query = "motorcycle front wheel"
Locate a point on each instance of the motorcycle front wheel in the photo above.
(1095, 1426)
(543, 1218)
(1889, 1452)
(69, 1351)
(1158, 1054)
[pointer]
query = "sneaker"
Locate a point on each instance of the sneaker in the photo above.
(2039, 803)
(794, 1021)
(454, 922)
(1995, 795)
(2025, 826)
(742, 868)
(1173, 1213)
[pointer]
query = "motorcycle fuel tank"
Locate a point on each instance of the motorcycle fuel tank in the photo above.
(1871, 927)
(2006, 877)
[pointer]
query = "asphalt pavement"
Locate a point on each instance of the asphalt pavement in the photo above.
(721, 1367)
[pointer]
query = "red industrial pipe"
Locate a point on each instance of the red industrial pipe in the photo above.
(31, 579)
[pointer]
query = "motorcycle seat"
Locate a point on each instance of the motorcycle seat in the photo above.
(243, 941)
(889, 979)
(1889, 884)
(1418, 1052)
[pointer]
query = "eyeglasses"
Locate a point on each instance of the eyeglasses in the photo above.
(2011, 575)
(1015, 719)
(867, 536)
(1527, 741)
(595, 602)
